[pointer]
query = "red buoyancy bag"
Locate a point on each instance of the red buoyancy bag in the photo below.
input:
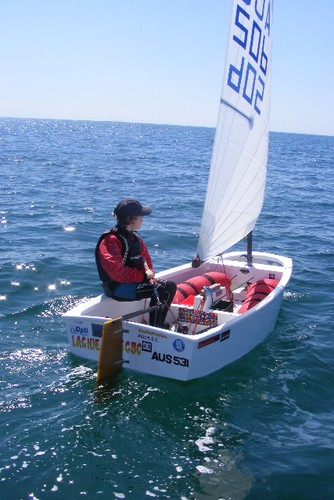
(257, 292)
(190, 287)
(193, 286)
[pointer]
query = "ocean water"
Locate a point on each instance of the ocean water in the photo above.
(262, 427)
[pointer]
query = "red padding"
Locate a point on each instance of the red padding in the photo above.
(190, 287)
(193, 286)
(189, 301)
(257, 292)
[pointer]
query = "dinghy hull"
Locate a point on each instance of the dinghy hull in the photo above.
(214, 338)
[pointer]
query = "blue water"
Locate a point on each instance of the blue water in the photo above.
(260, 428)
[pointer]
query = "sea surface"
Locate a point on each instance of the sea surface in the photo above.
(262, 427)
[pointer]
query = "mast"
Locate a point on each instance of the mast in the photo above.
(249, 248)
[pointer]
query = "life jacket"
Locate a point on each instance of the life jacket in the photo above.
(131, 252)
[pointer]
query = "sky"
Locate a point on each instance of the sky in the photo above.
(157, 61)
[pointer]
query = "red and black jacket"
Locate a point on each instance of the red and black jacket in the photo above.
(120, 257)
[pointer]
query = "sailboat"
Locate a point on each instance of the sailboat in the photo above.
(227, 302)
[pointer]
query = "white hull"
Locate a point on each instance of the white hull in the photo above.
(181, 356)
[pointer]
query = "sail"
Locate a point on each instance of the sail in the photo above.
(237, 175)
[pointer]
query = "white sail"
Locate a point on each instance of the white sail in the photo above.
(237, 176)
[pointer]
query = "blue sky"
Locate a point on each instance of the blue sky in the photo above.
(157, 61)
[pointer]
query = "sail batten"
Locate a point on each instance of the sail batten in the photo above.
(237, 176)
